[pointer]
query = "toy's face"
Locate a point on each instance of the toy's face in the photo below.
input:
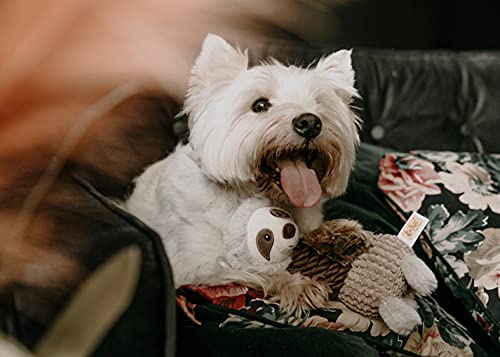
(271, 235)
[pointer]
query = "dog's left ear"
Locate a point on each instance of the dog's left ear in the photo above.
(338, 66)
(218, 62)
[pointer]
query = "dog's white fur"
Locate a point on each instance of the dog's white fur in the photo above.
(189, 196)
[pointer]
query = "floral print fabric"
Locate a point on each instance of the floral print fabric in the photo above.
(462, 239)
(235, 306)
(484, 263)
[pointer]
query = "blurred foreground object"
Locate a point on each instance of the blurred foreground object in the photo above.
(88, 90)
(92, 311)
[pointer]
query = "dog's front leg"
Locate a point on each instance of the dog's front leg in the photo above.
(346, 228)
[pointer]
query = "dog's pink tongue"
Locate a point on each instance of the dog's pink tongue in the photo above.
(300, 183)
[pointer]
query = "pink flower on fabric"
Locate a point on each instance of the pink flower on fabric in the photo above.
(484, 262)
(474, 185)
(407, 180)
(232, 296)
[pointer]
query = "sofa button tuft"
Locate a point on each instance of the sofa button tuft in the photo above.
(465, 130)
(377, 132)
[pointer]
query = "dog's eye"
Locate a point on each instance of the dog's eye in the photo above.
(261, 105)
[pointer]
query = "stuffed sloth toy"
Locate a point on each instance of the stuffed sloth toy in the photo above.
(374, 275)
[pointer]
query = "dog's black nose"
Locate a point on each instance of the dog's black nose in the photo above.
(307, 125)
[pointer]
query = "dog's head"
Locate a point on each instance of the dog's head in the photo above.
(287, 130)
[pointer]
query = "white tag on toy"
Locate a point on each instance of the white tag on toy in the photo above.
(413, 228)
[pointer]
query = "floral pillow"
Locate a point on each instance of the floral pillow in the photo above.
(460, 194)
(235, 306)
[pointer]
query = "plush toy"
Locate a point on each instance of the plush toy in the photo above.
(374, 275)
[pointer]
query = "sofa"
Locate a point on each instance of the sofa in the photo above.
(429, 101)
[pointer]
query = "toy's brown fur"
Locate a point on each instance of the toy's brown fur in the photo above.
(326, 253)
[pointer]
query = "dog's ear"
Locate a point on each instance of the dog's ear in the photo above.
(218, 62)
(338, 66)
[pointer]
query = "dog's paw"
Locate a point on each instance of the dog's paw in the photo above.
(344, 239)
(297, 294)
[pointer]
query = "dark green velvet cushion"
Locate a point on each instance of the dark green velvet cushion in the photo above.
(363, 200)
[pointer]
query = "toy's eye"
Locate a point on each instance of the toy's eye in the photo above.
(289, 231)
(265, 241)
(261, 105)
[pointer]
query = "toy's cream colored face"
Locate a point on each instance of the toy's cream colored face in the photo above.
(271, 235)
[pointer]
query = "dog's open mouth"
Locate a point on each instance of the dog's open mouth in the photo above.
(298, 172)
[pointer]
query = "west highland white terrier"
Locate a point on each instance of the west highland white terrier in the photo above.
(282, 133)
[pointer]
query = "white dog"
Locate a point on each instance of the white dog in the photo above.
(285, 134)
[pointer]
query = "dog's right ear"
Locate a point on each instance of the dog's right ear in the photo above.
(338, 68)
(218, 62)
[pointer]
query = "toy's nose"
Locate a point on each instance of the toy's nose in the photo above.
(307, 125)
